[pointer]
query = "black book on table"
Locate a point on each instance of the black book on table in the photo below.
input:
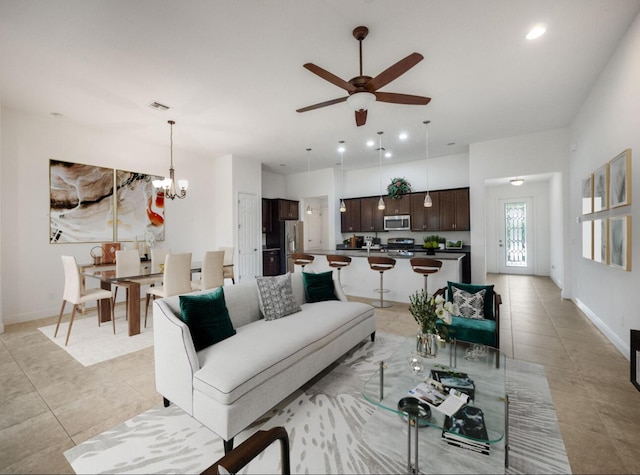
(458, 381)
(466, 428)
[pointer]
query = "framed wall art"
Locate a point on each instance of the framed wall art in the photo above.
(587, 239)
(601, 188)
(600, 241)
(620, 180)
(80, 203)
(620, 242)
(139, 207)
(587, 195)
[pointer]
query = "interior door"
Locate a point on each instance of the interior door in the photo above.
(516, 252)
(313, 230)
(248, 236)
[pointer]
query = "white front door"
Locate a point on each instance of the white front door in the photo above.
(248, 237)
(515, 236)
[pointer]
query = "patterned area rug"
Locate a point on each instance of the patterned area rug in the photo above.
(326, 422)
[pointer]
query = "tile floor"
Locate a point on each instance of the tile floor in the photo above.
(50, 402)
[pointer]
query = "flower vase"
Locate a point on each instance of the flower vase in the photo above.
(427, 345)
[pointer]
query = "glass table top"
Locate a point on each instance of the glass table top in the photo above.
(404, 371)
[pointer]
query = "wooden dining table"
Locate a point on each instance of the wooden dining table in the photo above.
(108, 278)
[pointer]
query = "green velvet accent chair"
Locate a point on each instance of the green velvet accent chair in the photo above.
(481, 331)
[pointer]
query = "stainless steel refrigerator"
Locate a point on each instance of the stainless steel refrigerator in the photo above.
(292, 240)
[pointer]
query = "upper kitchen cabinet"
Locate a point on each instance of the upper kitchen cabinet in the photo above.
(371, 218)
(425, 219)
(267, 219)
(350, 219)
(454, 210)
(397, 207)
(287, 209)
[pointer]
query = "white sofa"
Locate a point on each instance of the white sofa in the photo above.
(230, 384)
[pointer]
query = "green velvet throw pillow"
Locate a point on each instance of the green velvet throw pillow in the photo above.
(472, 289)
(207, 317)
(319, 287)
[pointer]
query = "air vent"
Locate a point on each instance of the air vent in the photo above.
(158, 106)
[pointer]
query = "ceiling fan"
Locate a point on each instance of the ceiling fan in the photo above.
(363, 90)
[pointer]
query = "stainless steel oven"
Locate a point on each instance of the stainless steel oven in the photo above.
(397, 223)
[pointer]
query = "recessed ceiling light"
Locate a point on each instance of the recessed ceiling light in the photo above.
(370, 143)
(388, 155)
(403, 136)
(536, 32)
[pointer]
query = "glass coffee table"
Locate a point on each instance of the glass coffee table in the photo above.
(389, 387)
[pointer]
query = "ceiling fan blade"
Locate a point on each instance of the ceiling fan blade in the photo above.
(322, 104)
(402, 98)
(332, 78)
(389, 74)
(361, 117)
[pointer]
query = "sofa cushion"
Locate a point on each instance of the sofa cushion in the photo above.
(276, 296)
(470, 305)
(207, 317)
(319, 287)
(473, 288)
(264, 349)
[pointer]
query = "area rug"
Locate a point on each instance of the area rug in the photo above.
(90, 344)
(326, 422)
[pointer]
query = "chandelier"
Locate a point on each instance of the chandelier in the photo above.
(169, 184)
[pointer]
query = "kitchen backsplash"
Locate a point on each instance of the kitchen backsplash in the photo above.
(418, 237)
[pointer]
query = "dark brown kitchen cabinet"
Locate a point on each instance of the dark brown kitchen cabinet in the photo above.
(371, 218)
(271, 262)
(454, 210)
(350, 219)
(425, 219)
(287, 209)
(397, 207)
(267, 219)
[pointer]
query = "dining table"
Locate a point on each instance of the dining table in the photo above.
(108, 278)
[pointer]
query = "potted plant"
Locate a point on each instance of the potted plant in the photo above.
(398, 187)
(426, 310)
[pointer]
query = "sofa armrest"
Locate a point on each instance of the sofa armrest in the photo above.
(175, 357)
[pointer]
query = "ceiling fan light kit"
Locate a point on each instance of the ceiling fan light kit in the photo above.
(362, 89)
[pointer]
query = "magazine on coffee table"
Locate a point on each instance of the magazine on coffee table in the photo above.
(447, 403)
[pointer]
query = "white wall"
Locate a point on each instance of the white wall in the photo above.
(606, 124)
(533, 154)
(1, 240)
(539, 192)
(559, 227)
(28, 260)
(273, 185)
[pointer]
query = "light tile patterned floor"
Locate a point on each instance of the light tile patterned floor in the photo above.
(51, 402)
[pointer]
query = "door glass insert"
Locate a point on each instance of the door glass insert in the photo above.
(515, 228)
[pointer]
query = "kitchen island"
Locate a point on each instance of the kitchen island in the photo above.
(359, 280)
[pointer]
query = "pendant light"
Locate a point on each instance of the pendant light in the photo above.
(381, 205)
(309, 210)
(427, 198)
(343, 205)
(169, 184)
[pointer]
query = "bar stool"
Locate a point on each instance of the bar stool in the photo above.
(338, 262)
(425, 266)
(300, 259)
(381, 264)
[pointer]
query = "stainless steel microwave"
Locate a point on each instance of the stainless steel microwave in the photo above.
(397, 223)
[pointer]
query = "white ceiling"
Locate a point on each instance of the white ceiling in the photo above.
(232, 73)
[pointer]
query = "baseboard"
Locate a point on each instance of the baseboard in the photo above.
(622, 346)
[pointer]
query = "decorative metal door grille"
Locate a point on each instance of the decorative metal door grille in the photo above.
(516, 242)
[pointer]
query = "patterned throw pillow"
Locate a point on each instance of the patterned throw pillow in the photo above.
(276, 296)
(470, 305)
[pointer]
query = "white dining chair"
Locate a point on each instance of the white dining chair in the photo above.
(212, 275)
(128, 264)
(75, 295)
(176, 279)
(228, 263)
